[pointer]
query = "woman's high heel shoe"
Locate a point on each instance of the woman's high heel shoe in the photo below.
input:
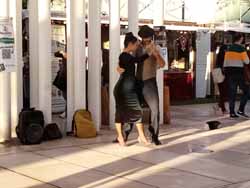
(121, 141)
(145, 142)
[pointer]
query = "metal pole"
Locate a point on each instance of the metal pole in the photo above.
(183, 10)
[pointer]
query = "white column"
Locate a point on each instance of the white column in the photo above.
(133, 16)
(158, 19)
(203, 45)
(44, 45)
(94, 62)
(33, 52)
(70, 67)
(114, 36)
(76, 67)
(5, 111)
(160, 83)
(158, 16)
(17, 77)
(79, 54)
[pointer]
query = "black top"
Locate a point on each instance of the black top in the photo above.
(127, 62)
(221, 56)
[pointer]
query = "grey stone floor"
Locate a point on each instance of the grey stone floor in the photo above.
(191, 157)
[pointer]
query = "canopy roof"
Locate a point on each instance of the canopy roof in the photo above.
(200, 11)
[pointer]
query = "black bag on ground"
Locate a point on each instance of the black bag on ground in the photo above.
(52, 132)
(30, 126)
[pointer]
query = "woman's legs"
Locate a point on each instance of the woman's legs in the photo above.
(120, 138)
(222, 97)
(64, 114)
(142, 137)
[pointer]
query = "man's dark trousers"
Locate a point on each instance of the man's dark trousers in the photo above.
(236, 79)
(151, 96)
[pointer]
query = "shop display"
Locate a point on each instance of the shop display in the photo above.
(58, 5)
(7, 53)
(179, 77)
(180, 45)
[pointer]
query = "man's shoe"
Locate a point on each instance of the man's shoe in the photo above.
(125, 139)
(242, 114)
(234, 116)
(156, 140)
(126, 135)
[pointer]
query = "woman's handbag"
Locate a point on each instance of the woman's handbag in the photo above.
(247, 74)
(218, 76)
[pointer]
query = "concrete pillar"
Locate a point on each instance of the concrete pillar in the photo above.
(94, 62)
(158, 20)
(114, 35)
(76, 67)
(17, 77)
(203, 63)
(79, 54)
(44, 63)
(133, 16)
(70, 67)
(5, 103)
(33, 52)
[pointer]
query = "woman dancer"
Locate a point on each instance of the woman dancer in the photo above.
(128, 109)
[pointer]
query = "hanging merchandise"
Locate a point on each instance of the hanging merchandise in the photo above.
(7, 52)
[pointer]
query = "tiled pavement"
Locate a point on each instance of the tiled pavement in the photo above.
(190, 157)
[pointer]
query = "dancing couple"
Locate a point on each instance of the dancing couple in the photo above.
(128, 109)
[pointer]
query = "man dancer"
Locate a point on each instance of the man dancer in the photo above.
(146, 76)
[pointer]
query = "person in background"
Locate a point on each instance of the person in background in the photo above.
(223, 87)
(105, 67)
(26, 82)
(61, 79)
(235, 58)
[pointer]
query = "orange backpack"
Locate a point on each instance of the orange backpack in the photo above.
(83, 125)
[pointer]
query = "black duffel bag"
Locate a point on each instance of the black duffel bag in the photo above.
(30, 126)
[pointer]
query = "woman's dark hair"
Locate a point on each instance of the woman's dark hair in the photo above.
(237, 36)
(129, 38)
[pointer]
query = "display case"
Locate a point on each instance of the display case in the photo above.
(181, 60)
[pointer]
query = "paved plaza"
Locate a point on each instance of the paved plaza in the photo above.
(191, 157)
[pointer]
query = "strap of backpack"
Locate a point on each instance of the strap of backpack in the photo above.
(74, 129)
